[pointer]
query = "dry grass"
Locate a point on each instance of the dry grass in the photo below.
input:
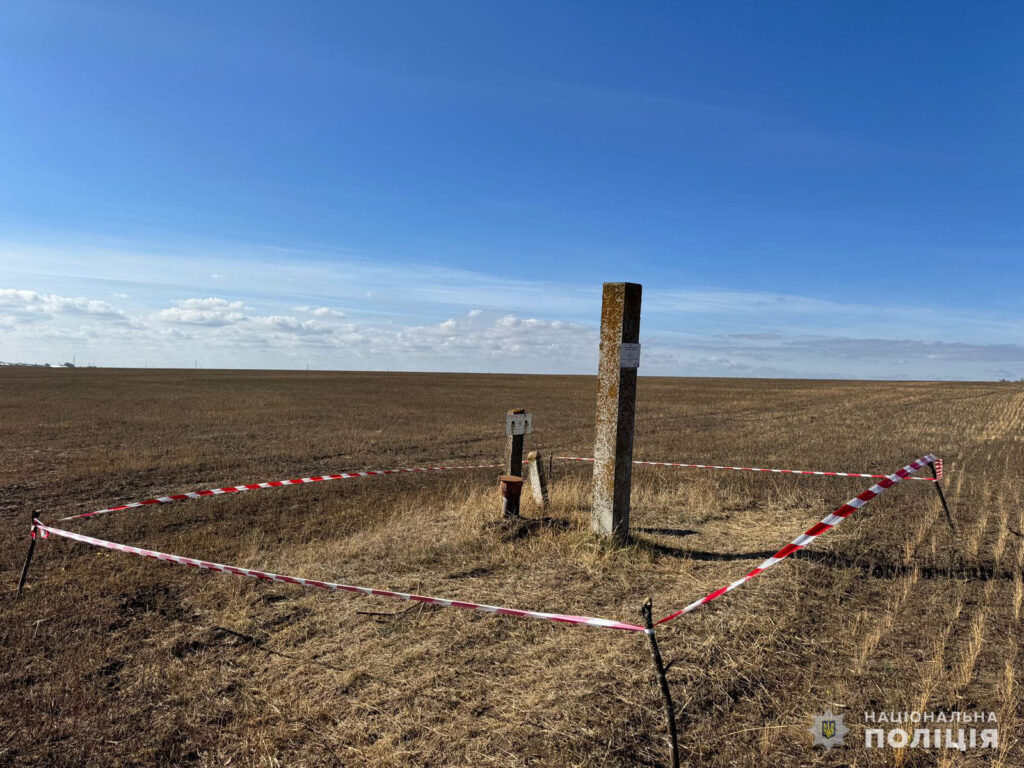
(113, 660)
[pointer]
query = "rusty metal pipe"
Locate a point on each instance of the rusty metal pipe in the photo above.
(511, 489)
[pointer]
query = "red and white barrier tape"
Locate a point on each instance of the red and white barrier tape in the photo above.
(591, 621)
(813, 532)
(797, 544)
(274, 484)
(753, 469)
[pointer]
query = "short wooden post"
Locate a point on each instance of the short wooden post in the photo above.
(511, 490)
(514, 442)
(538, 478)
(616, 407)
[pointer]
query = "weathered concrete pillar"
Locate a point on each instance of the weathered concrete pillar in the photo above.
(616, 406)
(538, 478)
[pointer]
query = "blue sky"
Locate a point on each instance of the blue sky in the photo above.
(803, 189)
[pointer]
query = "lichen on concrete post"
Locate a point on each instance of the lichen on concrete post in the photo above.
(616, 407)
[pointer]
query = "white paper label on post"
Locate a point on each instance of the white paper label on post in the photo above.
(518, 423)
(629, 356)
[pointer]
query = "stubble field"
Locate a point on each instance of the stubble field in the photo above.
(110, 659)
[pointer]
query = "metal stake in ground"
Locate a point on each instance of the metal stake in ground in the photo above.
(666, 694)
(616, 406)
(942, 497)
(28, 557)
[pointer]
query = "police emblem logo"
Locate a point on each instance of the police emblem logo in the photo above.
(828, 730)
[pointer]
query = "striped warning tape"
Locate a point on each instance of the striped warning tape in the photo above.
(274, 484)
(797, 544)
(754, 469)
(590, 621)
(813, 532)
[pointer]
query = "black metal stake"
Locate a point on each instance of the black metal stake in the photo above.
(942, 497)
(28, 558)
(666, 694)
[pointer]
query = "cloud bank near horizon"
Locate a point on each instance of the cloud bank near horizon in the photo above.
(277, 308)
(230, 332)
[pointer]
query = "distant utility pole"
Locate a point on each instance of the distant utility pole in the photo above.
(616, 408)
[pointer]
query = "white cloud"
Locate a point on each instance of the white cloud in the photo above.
(475, 342)
(212, 312)
(283, 312)
(14, 303)
(236, 333)
(293, 325)
(319, 311)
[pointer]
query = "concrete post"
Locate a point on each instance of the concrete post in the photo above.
(616, 406)
(538, 479)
